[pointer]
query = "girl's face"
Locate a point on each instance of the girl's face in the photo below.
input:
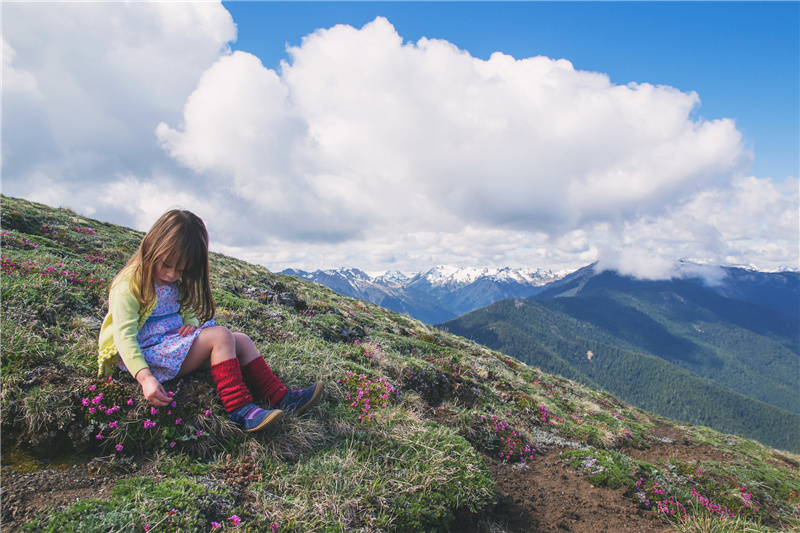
(167, 271)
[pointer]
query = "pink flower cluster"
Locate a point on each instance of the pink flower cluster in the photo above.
(58, 271)
(365, 393)
(641, 487)
(546, 418)
(95, 406)
(235, 521)
(370, 350)
(23, 240)
(712, 508)
(87, 231)
(672, 508)
(169, 418)
(512, 444)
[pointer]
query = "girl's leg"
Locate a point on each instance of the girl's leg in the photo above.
(260, 378)
(257, 373)
(212, 346)
(217, 346)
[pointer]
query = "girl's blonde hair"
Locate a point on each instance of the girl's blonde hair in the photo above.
(178, 236)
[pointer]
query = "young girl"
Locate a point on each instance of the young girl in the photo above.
(160, 326)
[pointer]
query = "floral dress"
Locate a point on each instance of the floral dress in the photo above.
(163, 347)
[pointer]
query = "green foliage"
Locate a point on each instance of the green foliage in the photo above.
(172, 504)
(603, 468)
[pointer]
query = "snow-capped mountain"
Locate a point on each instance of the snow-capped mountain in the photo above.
(449, 277)
(436, 295)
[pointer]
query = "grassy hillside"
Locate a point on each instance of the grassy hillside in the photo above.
(419, 430)
(691, 364)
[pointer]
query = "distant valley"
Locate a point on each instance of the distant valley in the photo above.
(722, 353)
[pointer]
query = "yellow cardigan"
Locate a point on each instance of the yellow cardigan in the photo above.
(121, 326)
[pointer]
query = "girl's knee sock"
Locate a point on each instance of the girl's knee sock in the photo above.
(260, 378)
(230, 386)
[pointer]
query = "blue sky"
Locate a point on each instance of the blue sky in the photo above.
(405, 135)
(742, 58)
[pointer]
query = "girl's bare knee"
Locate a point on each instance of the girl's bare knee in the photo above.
(218, 336)
(241, 337)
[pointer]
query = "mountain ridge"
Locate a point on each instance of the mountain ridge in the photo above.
(434, 295)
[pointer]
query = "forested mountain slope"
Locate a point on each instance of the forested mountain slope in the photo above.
(674, 347)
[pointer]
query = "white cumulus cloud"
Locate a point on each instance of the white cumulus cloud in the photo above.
(365, 150)
(93, 82)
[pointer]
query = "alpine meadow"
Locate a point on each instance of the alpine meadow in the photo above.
(418, 430)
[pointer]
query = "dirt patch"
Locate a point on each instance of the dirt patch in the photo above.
(547, 496)
(26, 495)
(670, 442)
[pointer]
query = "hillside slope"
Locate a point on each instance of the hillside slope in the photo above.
(418, 430)
(672, 347)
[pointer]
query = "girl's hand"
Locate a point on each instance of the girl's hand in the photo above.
(152, 389)
(186, 329)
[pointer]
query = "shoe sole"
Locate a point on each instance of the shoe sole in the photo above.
(275, 416)
(317, 393)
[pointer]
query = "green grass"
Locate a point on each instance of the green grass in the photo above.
(335, 469)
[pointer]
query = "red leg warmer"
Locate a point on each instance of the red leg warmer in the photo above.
(262, 381)
(232, 391)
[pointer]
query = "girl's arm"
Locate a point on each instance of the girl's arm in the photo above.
(124, 310)
(189, 319)
(153, 390)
